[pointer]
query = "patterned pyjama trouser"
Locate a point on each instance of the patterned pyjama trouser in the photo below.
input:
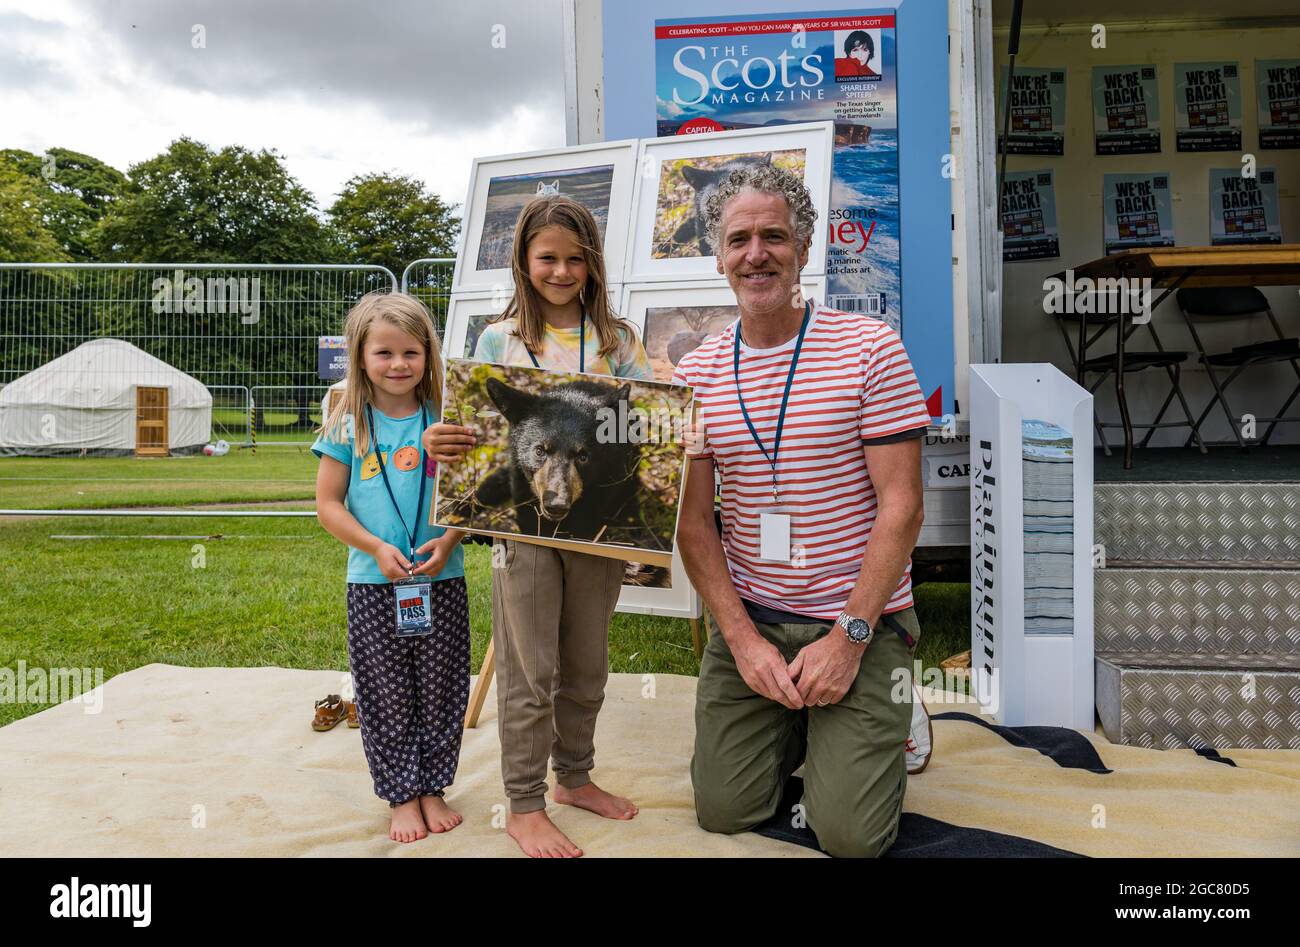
(410, 692)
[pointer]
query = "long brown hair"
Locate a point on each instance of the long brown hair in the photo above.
(407, 314)
(525, 305)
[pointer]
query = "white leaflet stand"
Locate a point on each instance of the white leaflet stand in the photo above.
(1040, 680)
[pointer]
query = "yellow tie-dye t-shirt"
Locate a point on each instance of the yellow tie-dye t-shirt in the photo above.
(500, 345)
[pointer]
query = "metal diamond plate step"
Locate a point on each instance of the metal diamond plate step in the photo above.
(1219, 521)
(1171, 701)
(1190, 609)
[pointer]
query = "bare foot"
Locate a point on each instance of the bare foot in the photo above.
(408, 825)
(438, 816)
(594, 799)
(537, 835)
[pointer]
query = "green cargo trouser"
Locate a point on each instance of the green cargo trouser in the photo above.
(855, 772)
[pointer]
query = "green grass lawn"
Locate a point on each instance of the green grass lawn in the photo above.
(76, 483)
(242, 592)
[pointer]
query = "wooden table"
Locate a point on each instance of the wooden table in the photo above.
(1172, 268)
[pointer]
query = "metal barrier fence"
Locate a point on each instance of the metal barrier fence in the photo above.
(228, 326)
(429, 280)
(240, 338)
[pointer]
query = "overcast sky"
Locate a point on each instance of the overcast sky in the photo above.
(338, 87)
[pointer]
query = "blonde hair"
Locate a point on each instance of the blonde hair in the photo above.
(402, 312)
(525, 305)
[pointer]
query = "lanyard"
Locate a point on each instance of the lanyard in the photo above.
(419, 503)
(582, 345)
(785, 397)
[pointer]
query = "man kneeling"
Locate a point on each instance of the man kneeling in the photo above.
(813, 419)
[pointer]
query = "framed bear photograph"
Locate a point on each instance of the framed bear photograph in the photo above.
(676, 318)
(677, 175)
(579, 461)
(599, 176)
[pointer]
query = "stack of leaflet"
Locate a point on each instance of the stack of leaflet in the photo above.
(1048, 465)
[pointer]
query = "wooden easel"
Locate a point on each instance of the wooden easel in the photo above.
(478, 696)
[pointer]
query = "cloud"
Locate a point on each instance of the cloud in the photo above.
(338, 88)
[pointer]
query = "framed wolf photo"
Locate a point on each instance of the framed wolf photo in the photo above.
(676, 176)
(584, 462)
(598, 176)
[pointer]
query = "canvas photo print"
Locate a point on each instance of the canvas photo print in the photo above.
(507, 195)
(685, 185)
(565, 456)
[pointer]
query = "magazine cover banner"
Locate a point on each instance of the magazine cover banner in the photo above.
(1207, 106)
(1278, 87)
(1244, 209)
(1136, 211)
(879, 74)
(1037, 111)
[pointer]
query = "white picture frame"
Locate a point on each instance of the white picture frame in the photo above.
(679, 601)
(463, 309)
(475, 269)
(815, 139)
(467, 313)
(640, 299)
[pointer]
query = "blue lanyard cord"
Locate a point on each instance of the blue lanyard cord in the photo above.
(785, 397)
(582, 345)
(419, 503)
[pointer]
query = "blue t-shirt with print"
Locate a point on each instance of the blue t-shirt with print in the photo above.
(398, 440)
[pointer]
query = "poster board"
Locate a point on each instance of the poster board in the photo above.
(1125, 110)
(1207, 106)
(1037, 111)
(1137, 211)
(1244, 209)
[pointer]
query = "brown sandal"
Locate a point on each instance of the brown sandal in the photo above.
(351, 706)
(329, 711)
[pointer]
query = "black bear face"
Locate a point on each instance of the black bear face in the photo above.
(706, 181)
(554, 444)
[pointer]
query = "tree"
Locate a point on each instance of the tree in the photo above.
(392, 219)
(191, 204)
(24, 234)
(76, 192)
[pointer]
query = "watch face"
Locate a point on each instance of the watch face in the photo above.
(858, 629)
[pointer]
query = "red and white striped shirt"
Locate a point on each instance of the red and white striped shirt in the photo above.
(854, 382)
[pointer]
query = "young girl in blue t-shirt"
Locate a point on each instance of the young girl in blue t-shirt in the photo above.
(373, 491)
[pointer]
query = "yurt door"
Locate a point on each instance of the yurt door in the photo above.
(151, 422)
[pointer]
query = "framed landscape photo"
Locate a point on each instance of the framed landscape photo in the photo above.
(599, 176)
(578, 461)
(676, 318)
(676, 176)
(467, 314)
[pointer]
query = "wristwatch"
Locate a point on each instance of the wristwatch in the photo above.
(858, 630)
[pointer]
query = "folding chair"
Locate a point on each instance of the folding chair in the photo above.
(1236, 302)
(1104, 366)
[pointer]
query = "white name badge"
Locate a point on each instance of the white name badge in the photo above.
(413, 605)
(774, 536)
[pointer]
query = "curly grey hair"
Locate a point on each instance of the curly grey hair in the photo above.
(767, 179)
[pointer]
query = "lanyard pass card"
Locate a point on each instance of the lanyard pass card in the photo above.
(413, 602)
(773, 534)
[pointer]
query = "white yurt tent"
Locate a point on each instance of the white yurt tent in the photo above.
(105, 397)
